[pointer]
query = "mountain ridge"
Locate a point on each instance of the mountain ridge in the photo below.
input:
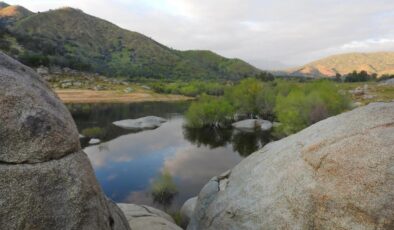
(69, 37)
(379, 63)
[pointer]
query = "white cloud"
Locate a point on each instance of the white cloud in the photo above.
(369, 43)
(263, 32)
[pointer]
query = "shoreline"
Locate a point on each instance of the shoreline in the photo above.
(83, 96)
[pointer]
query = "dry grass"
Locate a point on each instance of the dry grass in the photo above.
(110, 96)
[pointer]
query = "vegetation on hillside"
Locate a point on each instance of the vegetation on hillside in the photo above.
(68, 37)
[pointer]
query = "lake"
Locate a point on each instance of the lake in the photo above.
(131, 165)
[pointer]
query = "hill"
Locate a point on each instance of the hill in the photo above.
(68, 37)
(378, 62)
(10, 14)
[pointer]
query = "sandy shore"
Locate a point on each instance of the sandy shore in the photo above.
(108, 96)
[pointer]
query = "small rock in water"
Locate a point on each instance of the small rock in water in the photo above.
(266, 125)
(94, 141)
(149, 122)
(248, 124)
(251, 124)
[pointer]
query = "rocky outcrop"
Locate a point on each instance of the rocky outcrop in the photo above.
(149, 122)
(336, 174)
(46, 181)
(142, 217)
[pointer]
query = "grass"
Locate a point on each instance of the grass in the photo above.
(381, 93)
(110, 91)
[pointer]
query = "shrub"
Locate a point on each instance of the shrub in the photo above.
(309, 104)
(209, 111)
(252, 97)
(92, 132)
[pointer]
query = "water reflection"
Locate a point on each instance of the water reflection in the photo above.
(164, 190)
(161, 167)
(244, 143)
(95, 120)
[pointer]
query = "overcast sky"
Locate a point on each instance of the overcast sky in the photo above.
(267, 33)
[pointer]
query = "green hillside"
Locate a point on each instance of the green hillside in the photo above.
(68, 37)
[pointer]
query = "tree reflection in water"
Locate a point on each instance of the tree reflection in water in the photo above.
(164, 190)
(244, 143)
(210, 137)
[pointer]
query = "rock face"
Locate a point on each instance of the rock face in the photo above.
(149, 122)
(147, 218)
(187, 210)
(46, 181)
(336, 174)
(35, 126)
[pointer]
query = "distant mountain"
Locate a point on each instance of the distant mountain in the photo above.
(378, 62)
(70, 38)
(13, 13)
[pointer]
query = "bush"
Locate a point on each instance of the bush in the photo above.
(252, 98)
(92, 132)
(209, 111)
(34, 59)
(307, 105)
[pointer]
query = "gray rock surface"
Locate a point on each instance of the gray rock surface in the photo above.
(58, 194)
(187, 210)
(142, 217)
(265, 125)
(149, 122)
(388, 82)
(246, 124)
(34, 125)
(335, 174)
(251, 124)
(46, 181)
(94, 141)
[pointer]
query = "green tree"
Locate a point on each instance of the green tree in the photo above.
(209, 111)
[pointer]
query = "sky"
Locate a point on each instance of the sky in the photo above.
(270, 34)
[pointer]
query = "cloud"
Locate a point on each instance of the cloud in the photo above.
(369, 43)
(265, 33)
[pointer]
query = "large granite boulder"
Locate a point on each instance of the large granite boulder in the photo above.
(143, 217)
(46, 181)
(336, 174)
(34, 125)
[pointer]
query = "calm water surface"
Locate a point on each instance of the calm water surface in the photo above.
(127, 164)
